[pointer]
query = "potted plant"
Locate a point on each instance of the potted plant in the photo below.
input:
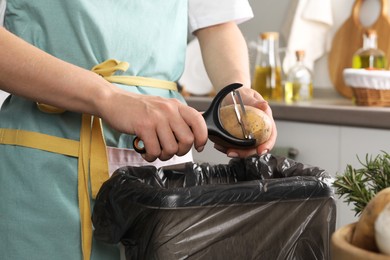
(368, 189)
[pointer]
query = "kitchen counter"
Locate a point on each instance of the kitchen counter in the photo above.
(328, 107)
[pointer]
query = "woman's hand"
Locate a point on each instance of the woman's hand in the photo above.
(225, 56)
(166, 126)
(252, 98)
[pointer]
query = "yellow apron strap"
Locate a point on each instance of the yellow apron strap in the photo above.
(142, 81)
(39, 141)
(83, 191)
(93, 159)
(108, 68)
(98, 157)
(50, 109)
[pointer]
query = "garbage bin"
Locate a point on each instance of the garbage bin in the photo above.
(261, 207)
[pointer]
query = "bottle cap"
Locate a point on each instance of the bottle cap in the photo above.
(269, 35)
(300, 54)
(370, 32)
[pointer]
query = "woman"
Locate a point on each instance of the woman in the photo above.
(52, 151)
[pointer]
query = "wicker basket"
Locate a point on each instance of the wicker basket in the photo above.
(370, 87)
(371, 97)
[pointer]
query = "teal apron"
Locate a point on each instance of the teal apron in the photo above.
(39, 215)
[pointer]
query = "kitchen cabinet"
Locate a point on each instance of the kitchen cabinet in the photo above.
(333, 148)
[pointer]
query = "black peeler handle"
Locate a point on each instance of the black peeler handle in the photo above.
(138, 145)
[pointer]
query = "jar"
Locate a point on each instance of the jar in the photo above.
(369, 56)
(299, 81)
(267, 76)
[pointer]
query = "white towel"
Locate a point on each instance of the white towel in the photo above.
(306, 28)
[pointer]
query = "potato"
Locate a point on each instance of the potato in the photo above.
(258, 122)
(364, 233)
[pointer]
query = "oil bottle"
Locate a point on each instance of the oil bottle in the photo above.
(267, 76)
(299, 81)
(369, 56)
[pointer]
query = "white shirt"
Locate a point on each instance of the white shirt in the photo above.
(202, 13)
(2, 9)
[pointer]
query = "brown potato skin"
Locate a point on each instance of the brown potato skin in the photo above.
(364, 233)
(258, 122)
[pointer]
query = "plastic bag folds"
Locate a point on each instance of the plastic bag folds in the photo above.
(260, 207)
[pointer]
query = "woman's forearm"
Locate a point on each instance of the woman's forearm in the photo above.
(225, 54)
(31, 73)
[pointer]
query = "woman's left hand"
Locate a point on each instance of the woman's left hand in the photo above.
(251, 97)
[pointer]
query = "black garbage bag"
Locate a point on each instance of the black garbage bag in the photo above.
(261, 207)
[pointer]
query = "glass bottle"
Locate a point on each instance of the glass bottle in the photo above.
(299, 81)
(267, 77)
(369, 56)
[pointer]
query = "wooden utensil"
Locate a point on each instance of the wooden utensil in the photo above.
(349, 38)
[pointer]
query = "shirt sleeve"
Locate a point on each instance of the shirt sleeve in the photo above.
(2, 10)
(204, 13)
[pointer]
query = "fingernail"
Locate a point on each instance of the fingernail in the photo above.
(232, 155)
(265, 151)
(200, 149)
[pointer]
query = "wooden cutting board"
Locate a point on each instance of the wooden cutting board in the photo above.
(349, 38)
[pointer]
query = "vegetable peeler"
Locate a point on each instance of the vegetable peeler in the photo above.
(216, 132)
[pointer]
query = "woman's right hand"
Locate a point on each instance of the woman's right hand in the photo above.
(167, 127)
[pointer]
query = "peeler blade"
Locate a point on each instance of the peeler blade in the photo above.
(241, 115)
